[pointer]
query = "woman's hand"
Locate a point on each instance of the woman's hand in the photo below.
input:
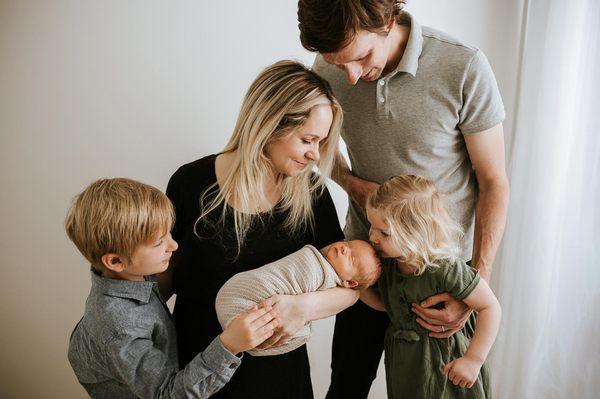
(445, 322)
(293, 311)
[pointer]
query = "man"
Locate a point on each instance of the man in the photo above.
(415, 101)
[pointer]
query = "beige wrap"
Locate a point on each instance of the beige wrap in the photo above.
(303, 271)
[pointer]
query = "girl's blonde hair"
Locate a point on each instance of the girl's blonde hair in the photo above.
(278, 102)
(421, 229)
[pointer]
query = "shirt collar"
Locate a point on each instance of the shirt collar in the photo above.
(410, 59)
(137, 290)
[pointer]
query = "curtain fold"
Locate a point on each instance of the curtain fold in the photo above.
(548, 273)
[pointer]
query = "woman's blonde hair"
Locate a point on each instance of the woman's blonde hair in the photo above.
(116, 216)
(421, 229)
(278, 102)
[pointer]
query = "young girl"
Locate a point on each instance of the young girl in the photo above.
(410, 226)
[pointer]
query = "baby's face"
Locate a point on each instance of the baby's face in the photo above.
(351, 260)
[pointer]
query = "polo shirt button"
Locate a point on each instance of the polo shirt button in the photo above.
(381, 82)
(381, 99)
(232, 365)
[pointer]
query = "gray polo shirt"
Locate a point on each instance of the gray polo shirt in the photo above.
(125, 346)
(413, 120)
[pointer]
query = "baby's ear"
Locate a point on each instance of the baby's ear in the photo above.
(350, 283)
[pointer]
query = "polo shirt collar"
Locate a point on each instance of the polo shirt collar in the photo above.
(410, 59)
(136, 290)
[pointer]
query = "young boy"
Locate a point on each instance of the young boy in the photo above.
(125, 344)
(352, 264)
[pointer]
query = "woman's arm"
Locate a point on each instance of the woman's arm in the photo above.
(372, 298)
(463, 371)
(295, 311)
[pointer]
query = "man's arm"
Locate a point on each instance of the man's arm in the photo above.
(358, 189)
(486, 150)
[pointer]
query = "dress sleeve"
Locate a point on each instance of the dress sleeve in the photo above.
(482, 104)
(460, 279)
(327, 226)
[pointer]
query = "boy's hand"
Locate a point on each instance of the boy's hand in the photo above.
(463, 371)
(249, 329)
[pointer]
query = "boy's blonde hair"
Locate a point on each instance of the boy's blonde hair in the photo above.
(278, 101)
(116, 216)
(420, 227)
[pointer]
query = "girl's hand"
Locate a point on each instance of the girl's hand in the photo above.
(249, 329)
(463, 371)
(445, 322)
(293, 313)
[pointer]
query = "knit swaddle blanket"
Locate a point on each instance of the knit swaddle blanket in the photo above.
(305, 270)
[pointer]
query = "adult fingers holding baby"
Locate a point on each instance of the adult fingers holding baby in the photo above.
(293, 314)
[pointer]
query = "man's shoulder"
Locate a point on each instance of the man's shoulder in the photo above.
(447, 46)
(330, 73)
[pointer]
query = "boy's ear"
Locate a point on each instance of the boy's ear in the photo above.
(114, 262)
(350, 283)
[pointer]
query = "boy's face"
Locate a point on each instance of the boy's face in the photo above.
(349, 258)
(379, 234)
(148, 259)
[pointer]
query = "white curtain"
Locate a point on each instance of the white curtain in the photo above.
(548, 273)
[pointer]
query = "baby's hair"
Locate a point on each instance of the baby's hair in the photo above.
(369, 276)
(421, 229)
(115, 216)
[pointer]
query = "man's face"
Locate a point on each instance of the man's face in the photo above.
(365, 57)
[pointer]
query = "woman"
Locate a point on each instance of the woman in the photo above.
(254, 203)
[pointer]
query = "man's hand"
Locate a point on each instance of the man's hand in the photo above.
(249, 329)
(445, 322)
(360, 189)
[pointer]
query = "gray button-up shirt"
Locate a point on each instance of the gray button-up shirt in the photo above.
(125, 347)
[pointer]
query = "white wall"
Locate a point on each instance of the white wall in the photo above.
(137, 88)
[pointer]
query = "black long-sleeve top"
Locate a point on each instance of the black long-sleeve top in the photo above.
(205, 263)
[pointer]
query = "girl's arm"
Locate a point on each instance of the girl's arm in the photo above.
(295, 311)
(372, 298)
(464, 371)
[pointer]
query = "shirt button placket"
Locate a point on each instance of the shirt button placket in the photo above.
(381, 96)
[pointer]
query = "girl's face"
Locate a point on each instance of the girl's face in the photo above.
(379, 234)
(300, 149)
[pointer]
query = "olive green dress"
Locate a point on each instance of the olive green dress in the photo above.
(413, 360)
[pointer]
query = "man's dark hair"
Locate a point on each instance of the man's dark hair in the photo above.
(327, 26)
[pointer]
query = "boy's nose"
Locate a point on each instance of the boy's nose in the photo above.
(173, 245)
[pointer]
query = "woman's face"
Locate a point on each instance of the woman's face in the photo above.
(300, 149)
(379, 234)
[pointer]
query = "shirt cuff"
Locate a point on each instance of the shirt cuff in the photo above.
(219, 359)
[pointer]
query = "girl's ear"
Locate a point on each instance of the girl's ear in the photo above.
(350, 283)
(114, 262)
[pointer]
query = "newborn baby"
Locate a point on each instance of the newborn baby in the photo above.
(352, 264)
